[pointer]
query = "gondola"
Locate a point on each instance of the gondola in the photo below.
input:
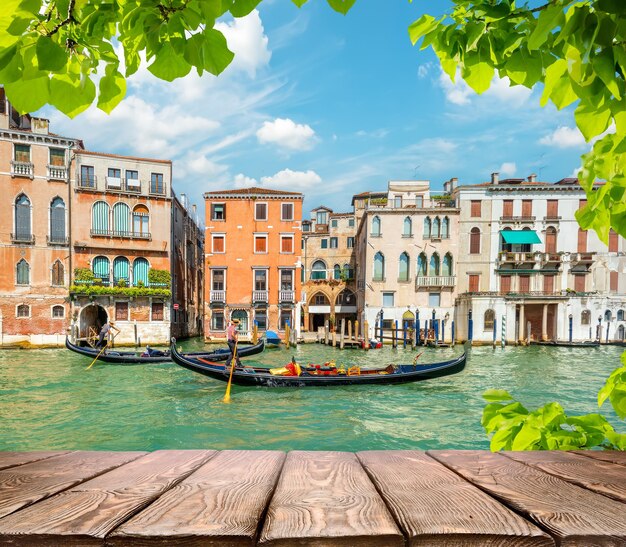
(135, 358)
(566, 344)
(255, 376)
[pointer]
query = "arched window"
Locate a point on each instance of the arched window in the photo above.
(474, 241)
(427, 228)
(121, 270)
(58, 312)
(318, 270)
(23, 273)
(403, 271)
(58, 274)
(446, 269)
(422, 264)
(346, 298)
(445, 228)
(379, 267)
(407, 227)
(140, 271)
(436, 231)
(376, 226)
(348, 271)
(121, 219)
(608, 315)
(490, 317)
(585, 317)
(319, 299)
(337, 271)
(141, 216)
(620, 315)
(57, 221)
(434, 265)
(22, 219)
(551, 239)
(100, 266)
(620, 333)
(100, 218)
(23, 310)
(242, 316)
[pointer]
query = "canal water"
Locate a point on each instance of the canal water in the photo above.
(49, 400)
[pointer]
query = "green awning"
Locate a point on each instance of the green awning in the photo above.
(520, 237)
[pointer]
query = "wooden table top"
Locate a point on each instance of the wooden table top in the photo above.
(270, 498)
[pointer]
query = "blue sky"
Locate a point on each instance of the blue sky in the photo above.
(331, 106)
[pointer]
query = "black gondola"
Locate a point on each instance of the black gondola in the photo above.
(566, 344)
(254, 376)
(135, 358)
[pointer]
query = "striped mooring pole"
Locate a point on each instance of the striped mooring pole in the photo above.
(503, 337)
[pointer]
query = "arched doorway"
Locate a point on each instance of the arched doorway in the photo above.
(319, 310)
(91, 317)
(242, 316)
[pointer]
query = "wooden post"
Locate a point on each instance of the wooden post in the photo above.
(350, 332)
(255, 334)
(326, 325)
(394, 336)
(342, 334)
(366, 340)
(414, 335)
(334, 341)
(356, 330)
(287, 339)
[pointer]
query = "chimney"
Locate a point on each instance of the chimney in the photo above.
(183, 201)
(495, 178)
(40, 126)
(454, 182)
(446, 187)
(532, 178)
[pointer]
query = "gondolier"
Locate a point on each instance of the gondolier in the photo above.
(104, 332)
(232, 336)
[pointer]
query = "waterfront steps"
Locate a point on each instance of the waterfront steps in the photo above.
(269, 498)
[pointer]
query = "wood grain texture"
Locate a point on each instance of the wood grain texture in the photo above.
(220, 504)
(612, 456)
(326, 498)
(574, 515)
(23, 485)
(434, 506)
(12, 459)
(92, 509)
(603, 477)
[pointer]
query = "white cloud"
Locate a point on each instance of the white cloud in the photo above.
(287, 134)
(199, 164)
(458, 92)
(424, 70)
(564, 137)
(508, 169)
(292, 180)
(376, 133)
(242, 181)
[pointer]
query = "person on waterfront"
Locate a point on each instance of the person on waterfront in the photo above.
(104, 332)
(232, 336)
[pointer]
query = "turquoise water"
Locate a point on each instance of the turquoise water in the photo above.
(48, 400)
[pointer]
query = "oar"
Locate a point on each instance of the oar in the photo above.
(103, 348)
(230, 378)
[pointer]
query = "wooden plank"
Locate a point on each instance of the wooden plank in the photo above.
(92, 509)
(26, 484)
(612, 456)
(573, 515)
(12, 459)
(326, 498)
(603, 477)
(221, 504)
(436, 507)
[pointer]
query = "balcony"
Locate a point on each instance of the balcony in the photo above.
(57, 172)
(519, 220)
(88, 182)
(126, 186)
(582, 258)
(551, 258)
(126, 235)
(218, 297)
(260, 297)
(518, 258)
(22, 169)
(57, 240)
(435, 281)
(551, 219)
(157, 189)
(23, 239)
(286, 297)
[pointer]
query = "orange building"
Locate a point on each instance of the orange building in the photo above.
(253, 259)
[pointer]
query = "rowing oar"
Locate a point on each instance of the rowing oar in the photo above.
(230, 378)
(103, 348)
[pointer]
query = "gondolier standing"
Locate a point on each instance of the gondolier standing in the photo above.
(104, 331)
(232, 337)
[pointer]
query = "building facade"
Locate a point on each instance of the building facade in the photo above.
(252, 260)
(528, 272)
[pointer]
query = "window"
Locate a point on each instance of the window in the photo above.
(157, 311)
(121, 311)
(260, 280)
(286, 211)
(87, 176)
(445, 228)
(553, 208)
(434, 299)
(419, 201)
(474, 241)
(318, 270)
(427, 228)
(407, 227)
(527, 208)
(489, 320)
(345, 298)
(114, 173)
(23, 273)
(217, 320)
(608, 316)
(613, 281)
(585, 317)
(436, 230)
(333, 223)
(324, 243)
(548, 284)
(132, 179)
(320, 299)
(57, 221)
(23, 310)
(505, 284)
(121, 219)
(141, 216)
(218, 211)
(100, 218)
(422, 264)
(620, 315)
(582, 240)
(403, 271)
(260, 244)
(100, 267)
(475, 209)
(551, 239)
(379, 267)
(58, 312)
(348, 272)
(351, 222)
(446, 269)
(260, 211)
(58, 274)
(507, 208)
(57, 157)
(121, 271)
(140, 272)
(218, 279)
(284, 319)
(388, 300)
(350, 243)
(376, 227)
(321, 217)
(22, 219)
(524, 283)
(286, 244)
(579, 283)
(286, 280)
(613, 241)
(260, 318)
(306, 226)
(157, 185)
(21, 152)
(434, 265)
(333, 242)
(474, 282)
(337, 271)
(218, 243)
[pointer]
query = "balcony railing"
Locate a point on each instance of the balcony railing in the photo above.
(22, 169)
(57, 240)
(88, 181)
(259, 296)
(582, 257)
(28, 239)
(552, 218)
(116, 184)
(286, 296)
(410, 203)
(435, 281)
(218, 296)
(521, 219)
(551, 257)
(508, 256)
(157, 189)
(116, 233)
(57, 172)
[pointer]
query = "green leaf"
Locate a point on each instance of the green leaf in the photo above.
(503, 439)
(241, 8)
(71, 96)
(592, 119)
(618, 440)
(477, 73)
(28, 95)
(50, 55)
(604, 65)
(112, 89)
(497, 395)
(168, 65)
(421, 27)
(342, 6)
(527, 438)
(208, 51)
(299, 3)
(549, 19)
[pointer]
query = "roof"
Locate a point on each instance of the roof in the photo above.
(520, 237)
(106, 155)
(253, 191)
